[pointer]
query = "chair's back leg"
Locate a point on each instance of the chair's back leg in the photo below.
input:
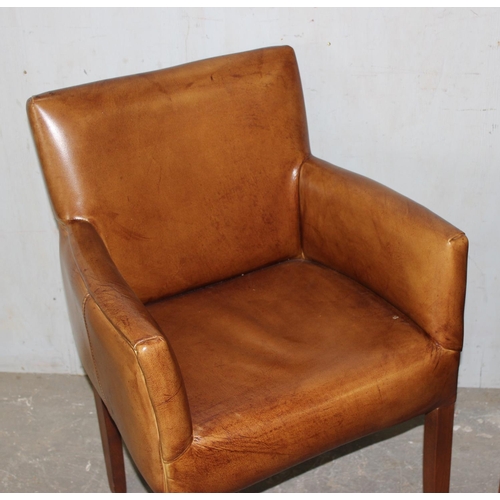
(112, 447)
(438, 437)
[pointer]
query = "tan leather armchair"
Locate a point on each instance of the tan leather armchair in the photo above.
(238, 304)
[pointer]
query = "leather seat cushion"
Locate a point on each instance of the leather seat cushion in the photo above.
(314, 360)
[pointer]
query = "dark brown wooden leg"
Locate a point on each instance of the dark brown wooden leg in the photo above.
(112, 447)
(438, 436)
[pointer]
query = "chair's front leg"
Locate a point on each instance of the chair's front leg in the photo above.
(112, 447)
(438, 436)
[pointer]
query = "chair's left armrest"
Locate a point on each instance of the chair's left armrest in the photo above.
(390, 244)
(126, 354)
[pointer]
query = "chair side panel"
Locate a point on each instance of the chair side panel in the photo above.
(76, 296)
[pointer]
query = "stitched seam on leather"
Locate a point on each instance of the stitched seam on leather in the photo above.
(154, 409)
(117, 329)
(165, 476)
(160, 447)
(143, 378)
(127, 340)
(299, 215)
(111, 322)
(133, 347)
(84, 304)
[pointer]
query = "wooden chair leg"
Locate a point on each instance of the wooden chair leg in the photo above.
(112, 447)
(438, 436)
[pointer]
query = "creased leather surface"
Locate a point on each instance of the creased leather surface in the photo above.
(166, 181)
(76, 296)
(127, 358)
(290, 361)
(213, 203)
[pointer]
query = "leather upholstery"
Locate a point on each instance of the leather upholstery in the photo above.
(165, 142)
(290, 361)
(397, 248)
(238, 304)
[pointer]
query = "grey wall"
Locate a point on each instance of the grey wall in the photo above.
(409, 97)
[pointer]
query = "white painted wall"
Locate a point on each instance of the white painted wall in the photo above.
(409, 97)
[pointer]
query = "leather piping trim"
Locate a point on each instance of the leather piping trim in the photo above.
(160, 442)
(165, 477)
(84, 306)
(161, 339)
(94, 299)
(299, 207)
(133, 348)
(155, 416)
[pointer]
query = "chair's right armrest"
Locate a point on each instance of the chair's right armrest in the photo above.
(403, 252)
(125, 353)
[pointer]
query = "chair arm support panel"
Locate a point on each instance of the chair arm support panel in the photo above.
(121, 332)
(405, 253)
(107, 287)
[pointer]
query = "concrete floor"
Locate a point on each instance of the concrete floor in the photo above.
(49, 442)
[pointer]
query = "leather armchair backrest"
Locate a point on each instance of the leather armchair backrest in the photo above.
(189, 174)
